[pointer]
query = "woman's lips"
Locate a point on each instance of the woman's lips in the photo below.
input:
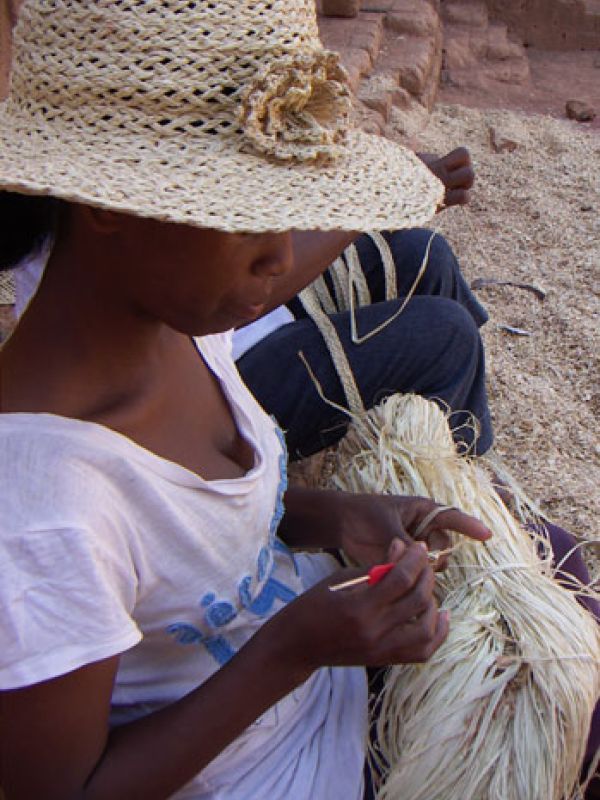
(251, 311)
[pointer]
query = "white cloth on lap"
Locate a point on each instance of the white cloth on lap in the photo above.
(246, 337)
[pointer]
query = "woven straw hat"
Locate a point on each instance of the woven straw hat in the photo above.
(225, 114)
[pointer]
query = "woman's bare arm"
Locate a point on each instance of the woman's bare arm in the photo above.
(55, 741)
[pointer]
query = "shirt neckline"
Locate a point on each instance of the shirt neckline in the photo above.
(98, 433)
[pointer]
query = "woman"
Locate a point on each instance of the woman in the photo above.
(158, 636)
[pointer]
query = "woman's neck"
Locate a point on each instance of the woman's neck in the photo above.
(81, 346)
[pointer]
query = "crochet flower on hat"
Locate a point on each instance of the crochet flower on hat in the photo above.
(298, 108)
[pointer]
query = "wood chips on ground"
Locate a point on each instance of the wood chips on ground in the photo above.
(535, 218)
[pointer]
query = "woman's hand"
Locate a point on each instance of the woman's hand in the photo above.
(395, 621)
(367, 524)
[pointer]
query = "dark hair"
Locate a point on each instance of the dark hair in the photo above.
(25, 222)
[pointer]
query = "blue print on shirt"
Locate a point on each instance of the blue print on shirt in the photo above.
(263, 563)
(217, 646)
(272, 590)
(219, 613)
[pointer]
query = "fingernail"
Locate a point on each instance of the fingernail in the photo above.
(446, 615)
(397, 548)
(424, 546)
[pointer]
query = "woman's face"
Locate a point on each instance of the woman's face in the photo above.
(201, 281)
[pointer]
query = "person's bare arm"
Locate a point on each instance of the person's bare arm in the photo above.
(55, 741)
(364, 525)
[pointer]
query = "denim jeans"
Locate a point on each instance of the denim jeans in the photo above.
(433, 348)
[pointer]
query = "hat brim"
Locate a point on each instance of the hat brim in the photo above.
(375, 184)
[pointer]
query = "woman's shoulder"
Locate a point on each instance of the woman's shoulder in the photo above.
(30, 442)
(56, 470)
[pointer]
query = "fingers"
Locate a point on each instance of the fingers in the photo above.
(419, 640)
(458, 182)
(393, 621)
(458, 176)
(418, 601)
(462, 178)
(403, 577)
(409, 626)
(396, 550)
(415, 641)
(456, 197)
(455, 520)
(456, 159)
(432, 517)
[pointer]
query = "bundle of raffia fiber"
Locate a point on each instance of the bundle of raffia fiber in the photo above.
(502, 710)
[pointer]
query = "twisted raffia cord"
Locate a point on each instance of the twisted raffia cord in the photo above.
(319, 304)
(351, 290)
(336, 350)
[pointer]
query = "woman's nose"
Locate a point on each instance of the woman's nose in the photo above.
(276, 258)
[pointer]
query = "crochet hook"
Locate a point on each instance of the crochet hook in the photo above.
(373, 576)
(376, 573)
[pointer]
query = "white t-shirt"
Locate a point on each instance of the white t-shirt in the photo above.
(107, 548)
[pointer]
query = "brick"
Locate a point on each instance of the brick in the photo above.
(500, 142)
(580, 111)
(381, 102)
(499, 48)
(368, 37)
(429, 94)
(415, 58)
(5, 48)
(473, 15)
(418, 19)
(363, 33)
(513, 71)
(380, 6)
(464, 47)
(357, 63)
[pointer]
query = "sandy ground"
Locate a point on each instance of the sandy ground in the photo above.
(534, 218)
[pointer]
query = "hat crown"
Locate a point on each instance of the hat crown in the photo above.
(167, 64)
(167, 109)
